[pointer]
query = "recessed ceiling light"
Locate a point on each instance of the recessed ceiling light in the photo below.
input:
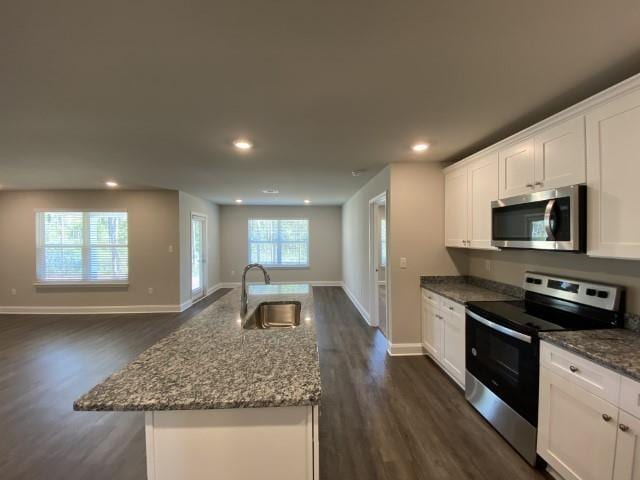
(111, 184)
(242, 144)
(307, 201)
(357, 173)
(238, 200)
(419, 147)
(271, 191)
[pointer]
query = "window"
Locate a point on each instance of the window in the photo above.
(81, 247)
(279, 243)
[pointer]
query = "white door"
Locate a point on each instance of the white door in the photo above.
(627, 465)
(560, 158)
(432, 329)
(453, 350)
(576, 429)
(455, 208)
(483, 189)
(613, 170)
(517, 169)
(198, 256)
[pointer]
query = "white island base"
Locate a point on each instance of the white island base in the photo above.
(235, 444)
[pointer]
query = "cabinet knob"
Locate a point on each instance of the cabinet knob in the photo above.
(450, 308)
(529, 185)
(606, 417)
(539, 184)
(623, 427)
(573, 368)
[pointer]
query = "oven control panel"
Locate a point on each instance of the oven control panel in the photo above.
(597, 295)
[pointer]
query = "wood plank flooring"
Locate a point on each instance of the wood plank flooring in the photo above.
(381, 417)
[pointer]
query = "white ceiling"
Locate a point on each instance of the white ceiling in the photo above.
(152, 93)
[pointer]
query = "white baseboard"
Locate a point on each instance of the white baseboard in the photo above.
(86, 310)
(214, 288)
(356, 304)
(404, 349)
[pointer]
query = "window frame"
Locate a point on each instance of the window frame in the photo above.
(280, 266)
(39, 231)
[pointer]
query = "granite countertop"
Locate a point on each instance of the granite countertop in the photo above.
(211, 362)
(617, 348)
(459, 290)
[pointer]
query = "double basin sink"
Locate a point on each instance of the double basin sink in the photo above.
(284, 314)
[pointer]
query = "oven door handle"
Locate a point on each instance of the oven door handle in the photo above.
(548, 211)
(500, 328)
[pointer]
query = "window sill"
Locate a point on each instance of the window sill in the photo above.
(81, 284)
(287, 267)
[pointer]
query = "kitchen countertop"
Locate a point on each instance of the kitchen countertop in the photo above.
(211, 362)
(463, 292)
(617, 348)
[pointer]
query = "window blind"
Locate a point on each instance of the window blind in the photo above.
(82, 247)
(279, 243)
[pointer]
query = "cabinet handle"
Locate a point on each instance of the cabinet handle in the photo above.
(539, 184)
(573, 368)
(606, 417)
(529, 185)
(451, 308)
(623, 427)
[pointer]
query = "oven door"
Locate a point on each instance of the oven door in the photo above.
(548, 220)
(506, 362)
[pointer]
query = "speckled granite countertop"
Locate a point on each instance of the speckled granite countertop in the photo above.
(460, 290)
(211, 362)
(617, 349)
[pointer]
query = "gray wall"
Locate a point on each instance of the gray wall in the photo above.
(188, 205)
(508, 266)
(355, 238)
(153, 227)
(325, 248)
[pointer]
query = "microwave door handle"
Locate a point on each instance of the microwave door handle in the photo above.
(548, 211)
(500, 328)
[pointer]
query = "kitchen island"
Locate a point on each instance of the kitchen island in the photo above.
(222, 401)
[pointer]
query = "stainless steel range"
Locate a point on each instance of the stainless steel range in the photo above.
(502, 348)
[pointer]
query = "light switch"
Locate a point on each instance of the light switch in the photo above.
(170, 248)
(403, 262)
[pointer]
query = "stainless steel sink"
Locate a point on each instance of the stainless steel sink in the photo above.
(274, 315)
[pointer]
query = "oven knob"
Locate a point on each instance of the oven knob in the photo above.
(474, 352)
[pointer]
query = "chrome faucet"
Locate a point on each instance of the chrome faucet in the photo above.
(244, 302)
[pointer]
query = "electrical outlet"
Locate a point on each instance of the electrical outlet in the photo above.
(170, 248)
(233, 272)
(14, 291)
(403, 262)
(150, 290)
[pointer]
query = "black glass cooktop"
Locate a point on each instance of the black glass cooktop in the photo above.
(531, 316)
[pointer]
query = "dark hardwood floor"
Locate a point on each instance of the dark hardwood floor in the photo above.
(381, 418)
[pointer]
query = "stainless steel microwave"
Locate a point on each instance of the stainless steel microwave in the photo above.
(548, 220)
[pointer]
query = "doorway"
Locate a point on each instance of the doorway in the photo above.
(198, 256)
(378, 261)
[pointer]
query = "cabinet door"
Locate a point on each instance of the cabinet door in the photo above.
(431, 330)
(453, 350)
(517, 170)
(483, 189)
(627, 465)
(455, 208)
(613, 170)
(560, 158)
(576, 429)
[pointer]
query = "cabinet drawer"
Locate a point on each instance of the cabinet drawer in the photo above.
(450, 306)
(598, 380)
(431, 298)
(630, 396)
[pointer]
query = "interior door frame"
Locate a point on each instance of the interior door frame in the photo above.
(374, 253)
(203, 217)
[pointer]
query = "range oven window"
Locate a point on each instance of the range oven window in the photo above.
(506, 365)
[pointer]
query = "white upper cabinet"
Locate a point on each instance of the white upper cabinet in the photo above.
(613, 170)
(560, 155)
(483, 189)
(553, 158)
(455, 208)
(517, 169)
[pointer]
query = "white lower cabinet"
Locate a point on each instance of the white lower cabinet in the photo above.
(582, 435)
(443, 333)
